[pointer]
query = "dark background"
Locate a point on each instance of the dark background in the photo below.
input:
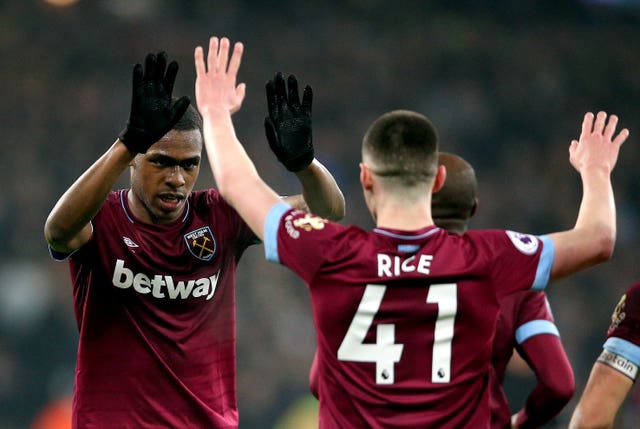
(507, 83)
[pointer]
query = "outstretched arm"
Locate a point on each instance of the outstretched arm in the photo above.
(592, 239)
(321, 194)
(217, 96)
(604, 394)
(67, 228)
(555, 381)
(289, 133)
(152, 115)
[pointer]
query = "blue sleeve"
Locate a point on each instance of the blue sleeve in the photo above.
(547, 256)
(624, 348)
(271, 226)
(535, 327)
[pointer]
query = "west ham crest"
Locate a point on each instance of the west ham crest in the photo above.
(201, 243)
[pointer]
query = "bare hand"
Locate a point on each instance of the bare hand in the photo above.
(597, 147)
(514, 421)
(216, 80)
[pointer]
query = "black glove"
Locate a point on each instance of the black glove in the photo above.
(152, 115)
(288, 126)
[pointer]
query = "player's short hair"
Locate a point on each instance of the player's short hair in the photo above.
(403, 146)
(456, 201)
(191, 120)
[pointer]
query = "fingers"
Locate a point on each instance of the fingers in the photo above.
(198, 56)
(236, 58)
(272, 135)
(241, 90)
(178, 109)
(280, 86)
(307, 100)
(621, 137)
(223, 56)
(149, 67)
(610, 128)
(161, 64)
(294, 98)
(170, 78)
(283, 96)
(573, 146)
(138, 76)
(587, 124)
(272, 103)
(218, 57)
(598, 125)
(212, 57)
(598, 130)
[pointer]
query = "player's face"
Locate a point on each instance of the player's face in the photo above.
(163, 177)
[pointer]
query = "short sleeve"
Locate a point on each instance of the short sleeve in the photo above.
(534, 317)
(299, 240)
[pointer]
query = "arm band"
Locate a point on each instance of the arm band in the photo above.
(617, 362)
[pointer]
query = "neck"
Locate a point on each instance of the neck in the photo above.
(457, 226)
(404, 216)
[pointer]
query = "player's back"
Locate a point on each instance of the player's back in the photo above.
(405, 322)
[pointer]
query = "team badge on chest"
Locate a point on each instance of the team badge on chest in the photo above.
(201, 243)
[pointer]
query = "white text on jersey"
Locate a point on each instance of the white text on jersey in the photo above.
(393, 266)
(124, 278)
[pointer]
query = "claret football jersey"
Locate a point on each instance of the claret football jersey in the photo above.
(522, 316)
(622, 347)
(155, 308)
(404, 319)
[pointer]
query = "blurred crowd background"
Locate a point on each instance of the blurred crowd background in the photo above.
(506, 82)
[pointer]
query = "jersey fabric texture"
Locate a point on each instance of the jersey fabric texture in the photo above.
(523, 315)
(404, 320)
(155, 308)
(623, 335)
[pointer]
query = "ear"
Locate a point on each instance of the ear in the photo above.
(441, 176)
(476, 202)
(366, 178)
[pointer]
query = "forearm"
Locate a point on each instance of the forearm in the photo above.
(603, 396)
(321, 192)
(598, 210)
(542, 405)
(555, 380)
(67, 226)
(592, 239)
(232, 168)
(234, 172)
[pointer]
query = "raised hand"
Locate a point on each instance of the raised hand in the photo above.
(216, 80)
(288, 126)
(152, 112)
(597, 146)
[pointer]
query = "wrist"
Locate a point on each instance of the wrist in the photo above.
(308, 171)
(214, 112)
(596, 171)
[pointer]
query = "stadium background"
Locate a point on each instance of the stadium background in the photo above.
(506, 82)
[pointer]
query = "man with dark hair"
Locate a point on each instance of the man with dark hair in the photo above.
(404, 314)
(153, 266)
(525, 322)
(616, 368)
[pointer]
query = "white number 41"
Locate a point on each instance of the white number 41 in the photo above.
(385, 352)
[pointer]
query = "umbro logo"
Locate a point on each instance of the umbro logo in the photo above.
(129, 242)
